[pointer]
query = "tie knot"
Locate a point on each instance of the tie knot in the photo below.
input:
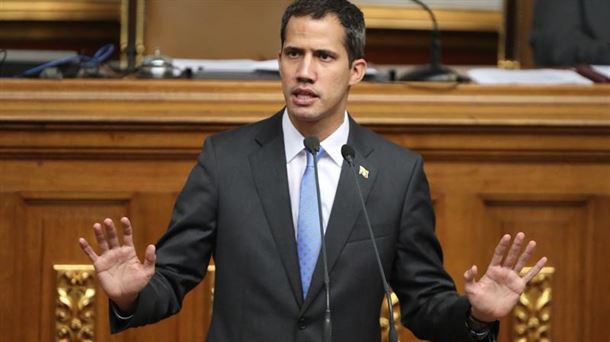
(310, 156)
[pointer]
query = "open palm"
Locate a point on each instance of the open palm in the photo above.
(119, 271)
(497, 292)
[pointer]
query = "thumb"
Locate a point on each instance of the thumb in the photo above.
(470, 275)
(150, 257)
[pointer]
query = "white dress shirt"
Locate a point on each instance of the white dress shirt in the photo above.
(329, 165)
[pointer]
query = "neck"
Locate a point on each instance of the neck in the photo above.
(321, 129)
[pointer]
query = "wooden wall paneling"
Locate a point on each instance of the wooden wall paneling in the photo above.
(54, 222)
(560, 226)
(597, 279)
(28, 250)
(74, 176)
(551, 203)
(457, 229)
(193, 29)
(14, 294)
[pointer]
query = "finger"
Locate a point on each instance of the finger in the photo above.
(84, 245)
(525, 256)
(500, 250)
(150, 257)
(515, 248)
(127, 232)
(534, 270)
(470, 275)
(113, 241)
(100, 237)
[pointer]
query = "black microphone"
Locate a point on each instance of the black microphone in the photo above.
(434, 71)
(312, 144)
(349, 154)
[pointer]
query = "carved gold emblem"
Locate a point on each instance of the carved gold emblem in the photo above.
(74, 309)
(532, 315)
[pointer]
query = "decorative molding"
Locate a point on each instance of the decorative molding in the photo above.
(230, 102)
(75, 304)
(211, 277)
(532, 315)
(166, 120)
(60, 10)
(76, 198)
(536, 200)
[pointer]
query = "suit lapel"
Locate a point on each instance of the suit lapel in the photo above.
(346, 207)
(269, 172)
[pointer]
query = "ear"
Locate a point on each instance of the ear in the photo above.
(358, 70)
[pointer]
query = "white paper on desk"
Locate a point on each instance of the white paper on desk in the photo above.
(529, 77)
(219, 65)
(602, 69)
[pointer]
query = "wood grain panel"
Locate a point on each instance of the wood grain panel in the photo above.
(54, 223)
(561, 227)
(12, 289)
(597, 301)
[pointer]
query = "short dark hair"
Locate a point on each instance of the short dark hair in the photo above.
(349, 15)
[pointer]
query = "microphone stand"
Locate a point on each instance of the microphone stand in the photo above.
(312, 144)
(348, 154)
(434, 71)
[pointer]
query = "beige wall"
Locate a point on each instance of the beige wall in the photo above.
(214, 28)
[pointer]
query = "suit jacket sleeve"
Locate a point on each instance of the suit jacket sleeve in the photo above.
(430, 306)
(184, 251)
(570, 32)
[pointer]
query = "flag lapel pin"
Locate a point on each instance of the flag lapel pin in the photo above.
(363, 172)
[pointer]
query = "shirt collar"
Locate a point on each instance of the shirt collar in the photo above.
(293, 140)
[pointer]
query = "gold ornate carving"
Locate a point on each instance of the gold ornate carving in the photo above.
(532, 315)
(74, 310)
(211, 276)
(384, 321)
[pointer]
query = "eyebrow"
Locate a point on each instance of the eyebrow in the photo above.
(316, 52)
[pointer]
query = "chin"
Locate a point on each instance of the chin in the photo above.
(304, 114)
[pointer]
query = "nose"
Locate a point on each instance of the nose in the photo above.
(306, 70)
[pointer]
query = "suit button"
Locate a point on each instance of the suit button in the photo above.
(302, 323)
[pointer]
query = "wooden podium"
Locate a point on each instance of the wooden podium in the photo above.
(499, 160)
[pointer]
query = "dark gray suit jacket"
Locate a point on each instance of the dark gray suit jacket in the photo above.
(235, 207)
(571, 32)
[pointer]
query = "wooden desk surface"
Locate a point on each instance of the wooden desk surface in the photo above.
(231, 102)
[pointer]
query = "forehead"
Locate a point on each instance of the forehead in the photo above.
(307, 32)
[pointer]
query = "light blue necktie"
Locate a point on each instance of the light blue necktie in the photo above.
(308, 225)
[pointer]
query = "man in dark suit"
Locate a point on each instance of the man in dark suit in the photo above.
(244, 204)
(571, 32)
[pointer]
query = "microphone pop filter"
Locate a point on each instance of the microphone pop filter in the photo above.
(348, 153)
(312, 144)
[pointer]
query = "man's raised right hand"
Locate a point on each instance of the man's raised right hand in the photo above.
(119, 271)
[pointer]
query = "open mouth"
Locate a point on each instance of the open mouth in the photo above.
(304, 96)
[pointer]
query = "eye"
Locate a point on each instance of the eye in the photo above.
(291, 53)
(325, 57)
